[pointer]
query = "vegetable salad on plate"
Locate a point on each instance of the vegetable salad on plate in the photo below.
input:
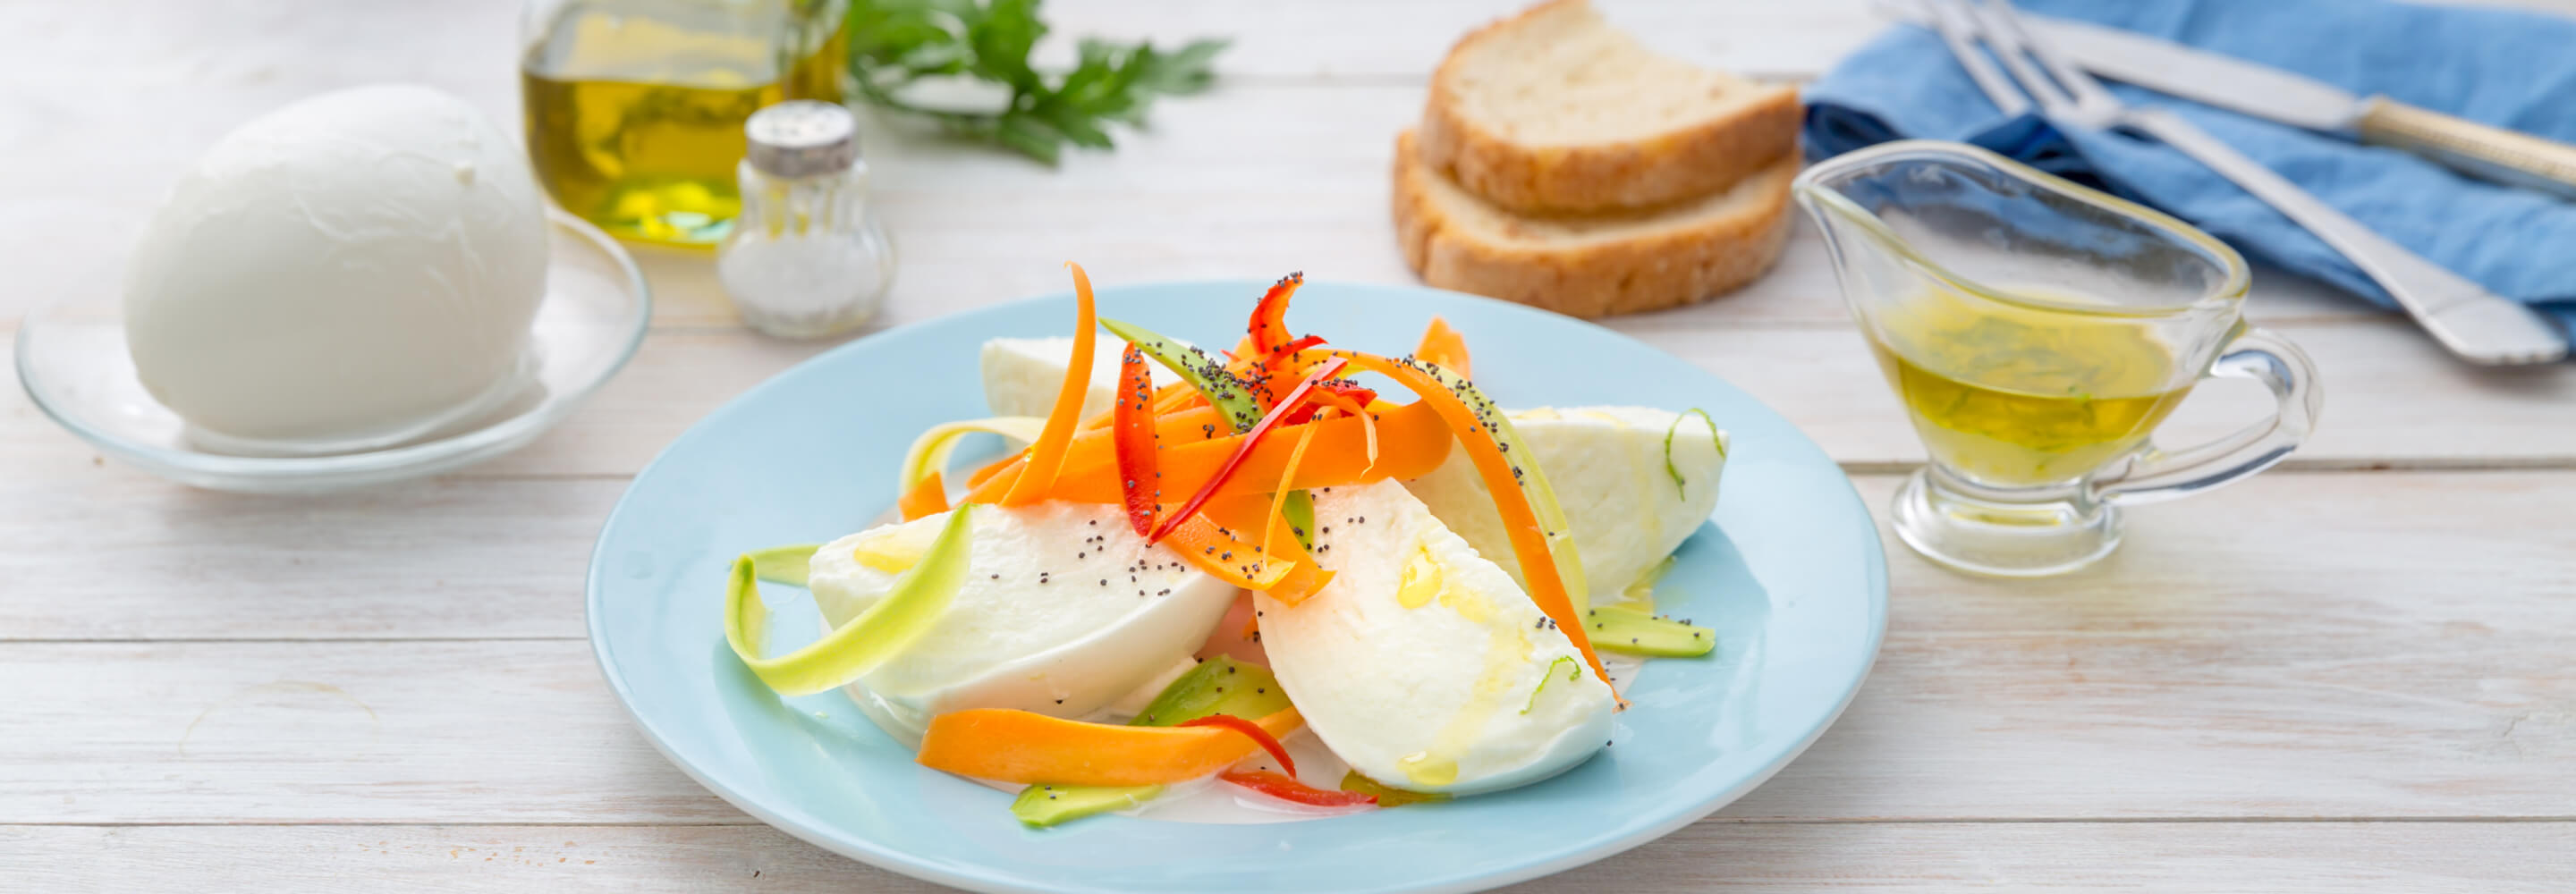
(1285, 575)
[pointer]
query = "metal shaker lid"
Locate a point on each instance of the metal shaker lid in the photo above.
(802, 138)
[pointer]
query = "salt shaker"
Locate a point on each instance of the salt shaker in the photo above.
(806, 257)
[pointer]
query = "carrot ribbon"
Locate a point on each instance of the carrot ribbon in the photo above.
(1046, 457)
(1555, 582)
(1021, 746)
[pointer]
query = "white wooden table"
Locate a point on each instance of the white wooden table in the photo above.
(2355, 673)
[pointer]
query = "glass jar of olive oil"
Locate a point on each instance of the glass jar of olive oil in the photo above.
(635, 108)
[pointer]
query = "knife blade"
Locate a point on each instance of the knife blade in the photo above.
(2478, 150)
(2202, 76)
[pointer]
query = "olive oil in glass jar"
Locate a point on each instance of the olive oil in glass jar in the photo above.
(635, 108)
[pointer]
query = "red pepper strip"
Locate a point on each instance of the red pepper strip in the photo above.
(1046, 457)
(1270, 358)
(1268, 742)
(1520, 520)
(1269, 327)
(1287, 788)
(1443, 347)
(1132, 421)
(1348, 396)
(928, 497)
(1166, 399)
(1251, 439)
(1352, 391)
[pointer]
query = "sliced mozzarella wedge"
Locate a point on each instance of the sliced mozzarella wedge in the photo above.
(1422, 664)
(1021, 375)
(1065, 610)
(1607, 465)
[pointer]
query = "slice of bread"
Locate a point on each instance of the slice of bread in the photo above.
(1557, 110)
(1591, 265)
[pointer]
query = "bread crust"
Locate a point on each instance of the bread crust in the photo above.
(1683, 264)
(1673, 166)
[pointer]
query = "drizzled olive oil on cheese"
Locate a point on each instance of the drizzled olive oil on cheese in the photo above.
(1424, 582)
(2018, 397)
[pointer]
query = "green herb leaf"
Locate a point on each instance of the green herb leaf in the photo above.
(1029, 136)
(895, 43)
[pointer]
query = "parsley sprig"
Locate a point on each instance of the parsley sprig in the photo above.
(895, 44)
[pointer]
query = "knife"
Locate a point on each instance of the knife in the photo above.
(2483, 151)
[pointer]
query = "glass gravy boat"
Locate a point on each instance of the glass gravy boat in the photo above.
(2037, 332)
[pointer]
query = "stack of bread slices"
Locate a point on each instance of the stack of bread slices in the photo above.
(1563, 164)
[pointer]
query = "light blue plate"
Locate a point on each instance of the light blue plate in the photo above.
(1790, 575)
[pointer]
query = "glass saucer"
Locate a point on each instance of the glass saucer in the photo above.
(72, 361)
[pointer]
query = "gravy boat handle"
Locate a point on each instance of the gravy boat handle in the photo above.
(2156, 474)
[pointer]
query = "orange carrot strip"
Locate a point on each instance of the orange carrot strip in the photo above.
(1167, 399)
(1046, 457)
(1200, 542)
(1344, 403)
(927, 497)
(1176, 397)
(1251, 438)
(993, 488)
(1188, 426)
(990, 469)
(1444, 347)
(1520, 520)
(1021, 746)
(1413, 440)
(1304, 579)
(1279, 497)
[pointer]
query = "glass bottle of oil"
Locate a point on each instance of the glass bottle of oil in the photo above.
(635, 108)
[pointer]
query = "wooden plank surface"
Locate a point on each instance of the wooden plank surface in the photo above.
(1245, 183)
(2186, 858)
(2393, 400)
(2430, 673)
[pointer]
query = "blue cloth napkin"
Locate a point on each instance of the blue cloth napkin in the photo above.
(2517, 70)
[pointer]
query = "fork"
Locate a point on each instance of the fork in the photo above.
(2473, 323)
